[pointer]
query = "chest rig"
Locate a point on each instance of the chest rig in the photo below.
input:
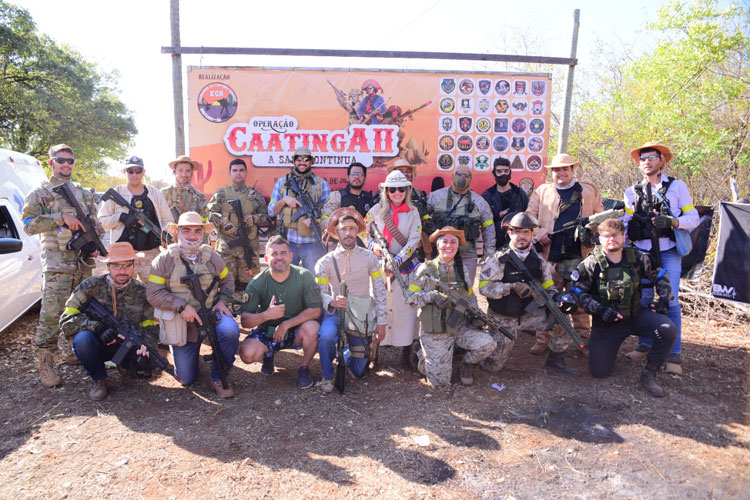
(619, 287)
(512, 305)
(433, 318)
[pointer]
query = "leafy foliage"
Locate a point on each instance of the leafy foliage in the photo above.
(49, 94)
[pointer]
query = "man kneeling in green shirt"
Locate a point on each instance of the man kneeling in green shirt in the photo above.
(282, 308)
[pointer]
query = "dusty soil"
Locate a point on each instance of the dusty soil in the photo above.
(388, 436)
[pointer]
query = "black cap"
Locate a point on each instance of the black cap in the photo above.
(133, 161)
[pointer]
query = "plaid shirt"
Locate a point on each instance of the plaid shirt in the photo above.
(292, 235)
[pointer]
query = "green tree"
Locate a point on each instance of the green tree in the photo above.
(49, 94)
(692, 93)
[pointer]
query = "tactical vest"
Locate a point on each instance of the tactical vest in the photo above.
(639, 228)
(315, 189)
(434, 319)
(56, 240)
(248, 208)
(201, 268)
(512, 305)
(468, 219)
(619, 287)
(362, 203)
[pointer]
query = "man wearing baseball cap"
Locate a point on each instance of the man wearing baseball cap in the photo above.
(124, 227)
(125, 299)
(182, 196)
(672, 209)
(305, 247)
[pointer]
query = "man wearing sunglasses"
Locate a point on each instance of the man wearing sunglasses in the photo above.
(124, 298)
(304, 245)
(48, 214)
(672, 208)
(353, 195)
(461, 208)
(124, 227)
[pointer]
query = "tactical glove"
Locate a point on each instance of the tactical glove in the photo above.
(108, 335)
(128, 220)
(665, 222)
(608, 314)
(438, 298)
(660, 306)
(523, 290)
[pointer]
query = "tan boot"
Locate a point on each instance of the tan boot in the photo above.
(98, 391)
(47, 373)
(538, 348)
(221, 392)
(638, 354)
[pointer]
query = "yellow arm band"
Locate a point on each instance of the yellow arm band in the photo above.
(156, 279)
(487, 223)
(687, 208)
(548, 284)
(414, 288)
(148, 322)
(321, 280)
(71, 310)
(377, 274)
(628, 211)
(483, 283)
(223, 273)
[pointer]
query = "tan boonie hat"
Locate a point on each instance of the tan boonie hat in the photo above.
(121, 252)
(340, 212)
(449, 230)
(563, 160)
(666, 154)
(400, 163)
(189, 219)
(183, 159)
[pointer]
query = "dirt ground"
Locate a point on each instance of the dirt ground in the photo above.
(388, 436)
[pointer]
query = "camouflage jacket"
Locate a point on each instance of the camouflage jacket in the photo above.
(484, 218)
(128, 304)
(43, 214)
(189, 199)
(221, 212)
(491, 277)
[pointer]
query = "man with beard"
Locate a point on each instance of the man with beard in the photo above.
(372, 107)
(437, 337)
(555, 204)
(303, 243)
(125, 227)
(352, 195)
(167, 293)
(366, 312)
(282, 309)
(460, 207)
(224, 216)
(125, 299)
(607, 284)
(508, 294)
(182, 196)
(504, 198)
(49, 214)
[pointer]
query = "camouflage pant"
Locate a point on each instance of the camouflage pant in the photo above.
(436, 355)
(143, 265)
(235, 261)
(56, 289)
(536, 322)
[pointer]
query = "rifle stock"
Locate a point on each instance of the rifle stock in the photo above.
(341, 363)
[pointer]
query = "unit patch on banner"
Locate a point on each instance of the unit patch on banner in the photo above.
(527, 184)
(445, 161)
(482, 143)
(448, 85)
(446, 143)
(501, 106)
(484, 106)
(482, 163)
(465, 142)
(483, 125)
(534, 163)
(500, 144)
(502, 87)
(520, 106)
(536, 144)
(518, 125)
(466, 105)
(516, 163)
(484, 86)
(519, 88)
(447, 105)
(447, 124)
(538, 87)
(501, 125)
(537, 107)
(463, 160)
(536, 126)
(518, 143)
(217, 102)
(466, 86)
(464, 123)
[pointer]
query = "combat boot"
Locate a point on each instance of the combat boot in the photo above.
(649, 382)
(98, 391)
(556, 363)
(466, 374)
(47, 373)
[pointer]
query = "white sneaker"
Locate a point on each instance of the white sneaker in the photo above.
(326, 385)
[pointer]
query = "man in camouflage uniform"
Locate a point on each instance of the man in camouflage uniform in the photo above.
(460, 207)
(125, 299)
(48, 214)
(508, 294)
(182, 196)
(360, 270)
(608, 286)
(223, 216)
(436, 336)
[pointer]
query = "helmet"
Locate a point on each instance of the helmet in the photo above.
(523, 221)
(566, 302)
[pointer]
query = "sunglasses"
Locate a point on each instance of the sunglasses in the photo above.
(122, 267)
(303, 158)
(63, 161)
(649, 156)
(135, 170)
(401, 189)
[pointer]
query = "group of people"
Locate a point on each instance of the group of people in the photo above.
(393, 268)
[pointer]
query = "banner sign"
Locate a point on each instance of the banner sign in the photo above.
(732, 268)
(434, 120)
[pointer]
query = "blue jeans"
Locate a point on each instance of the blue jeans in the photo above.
(307, 254)
(186, 356)
(92, 354)
(327, 338)
(672, 263)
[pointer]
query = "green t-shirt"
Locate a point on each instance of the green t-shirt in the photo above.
(298, 292)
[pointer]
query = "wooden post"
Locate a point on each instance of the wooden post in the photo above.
(179, 116)
(562, 143)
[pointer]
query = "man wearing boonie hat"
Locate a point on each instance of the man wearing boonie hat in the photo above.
(554, 204)
(182, 196)
(124, 298)
(671, 199)
(125, 227)
(460, 207)
(166, 292)
(436, 336)
(305, 247)
(366, 313)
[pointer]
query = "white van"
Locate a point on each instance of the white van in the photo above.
(20, 254)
